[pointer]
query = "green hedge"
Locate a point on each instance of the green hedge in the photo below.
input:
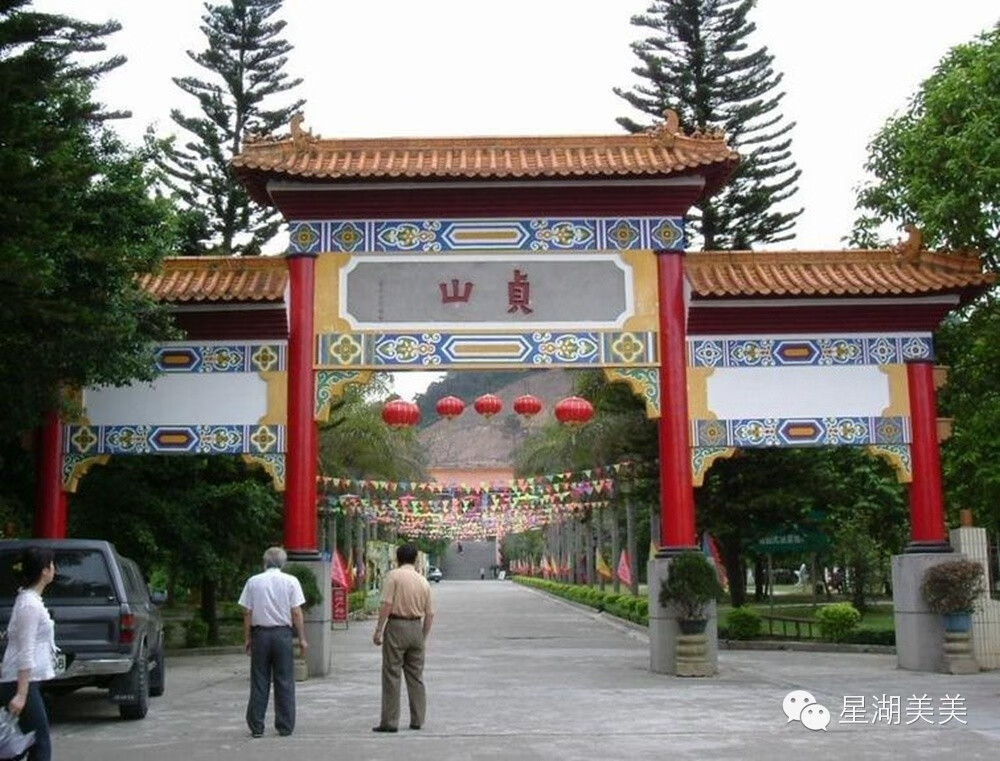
(356, 601)
(629, 607)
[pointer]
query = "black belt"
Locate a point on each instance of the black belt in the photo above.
(405, 618)
(280, 626)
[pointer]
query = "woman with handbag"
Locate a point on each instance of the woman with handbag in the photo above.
(31, 650)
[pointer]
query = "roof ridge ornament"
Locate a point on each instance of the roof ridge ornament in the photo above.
(669, 131)
(911, 249)
(302, 140)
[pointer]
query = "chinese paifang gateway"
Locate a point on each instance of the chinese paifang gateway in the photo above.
(529, 252)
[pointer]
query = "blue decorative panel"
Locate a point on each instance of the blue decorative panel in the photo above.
(402, 350)
(93, 440)
(774, 352)
(787, 432)
(445, 235)
(218, 358)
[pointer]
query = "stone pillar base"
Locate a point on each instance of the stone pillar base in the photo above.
(919, 632)
(317, 618)
(692, 656)
(664, 633)
(958, 658)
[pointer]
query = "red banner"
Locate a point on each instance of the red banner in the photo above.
(338, 610)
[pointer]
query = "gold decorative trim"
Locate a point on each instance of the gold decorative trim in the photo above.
(697, 383)
(277, 397)
(331, 384)
(272, 464)
(899, 391)
(646, 318)
(702, 459)
(73, 471)
(896, 455)
(644, 383)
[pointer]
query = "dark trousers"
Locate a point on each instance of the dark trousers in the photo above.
(272, 658)
(403, 651)
(32, 718)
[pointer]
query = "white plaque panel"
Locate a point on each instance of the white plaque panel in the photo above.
(792, 392)
(181, 399)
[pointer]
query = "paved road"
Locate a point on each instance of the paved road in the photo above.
(514, 674)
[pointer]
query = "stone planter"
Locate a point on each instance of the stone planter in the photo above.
(692, 655)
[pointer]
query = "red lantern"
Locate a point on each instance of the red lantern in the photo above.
(488, 405)
(450, 407)
(400, 413)
(574, 411)
(527, 405)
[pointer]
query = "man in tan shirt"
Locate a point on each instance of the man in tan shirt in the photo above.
(404, 622)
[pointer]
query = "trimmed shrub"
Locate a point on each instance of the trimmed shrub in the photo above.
(356, 600)
(743, 623)
(306, 577)
(866, 635)
(195, 632)
(837, 620)
(953, 586)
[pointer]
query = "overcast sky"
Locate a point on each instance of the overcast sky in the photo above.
(377, 68)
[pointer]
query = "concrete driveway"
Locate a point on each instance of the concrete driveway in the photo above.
(515, 674)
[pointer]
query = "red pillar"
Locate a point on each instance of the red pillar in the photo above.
(676, 490)
(51, 501)
(300, 434)
(927, 532)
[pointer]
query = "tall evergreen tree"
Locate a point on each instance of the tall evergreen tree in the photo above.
(246, 57)
(77, 220)
(697, 63)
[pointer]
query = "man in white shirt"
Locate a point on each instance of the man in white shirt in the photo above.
(272, 605)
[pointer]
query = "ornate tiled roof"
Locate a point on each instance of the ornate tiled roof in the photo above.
(663, 151)
(888, 272)
(215, 279)
(713, 275)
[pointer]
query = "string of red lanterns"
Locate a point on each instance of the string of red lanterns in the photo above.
(571, 411)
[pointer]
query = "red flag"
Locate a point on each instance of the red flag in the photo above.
(338, 571)
(624, 569)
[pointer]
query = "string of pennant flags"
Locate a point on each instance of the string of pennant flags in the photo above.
(468, 511)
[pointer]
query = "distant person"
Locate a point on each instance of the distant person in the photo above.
(272, 606)
(482, 573)
(31, 650)
(404, 623)
(459, 548)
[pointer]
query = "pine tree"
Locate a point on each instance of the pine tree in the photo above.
(697, 64)
(246, 57)
(77, 223)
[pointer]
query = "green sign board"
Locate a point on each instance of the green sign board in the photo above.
(791, 540)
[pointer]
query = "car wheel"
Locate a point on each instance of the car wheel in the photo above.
(158, 677)
(139, 686)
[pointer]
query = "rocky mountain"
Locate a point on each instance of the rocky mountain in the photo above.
(472, 441)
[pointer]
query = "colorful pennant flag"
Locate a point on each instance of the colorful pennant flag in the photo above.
(624, 569)
(603, 569)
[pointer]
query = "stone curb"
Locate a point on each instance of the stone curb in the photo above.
(732, 644)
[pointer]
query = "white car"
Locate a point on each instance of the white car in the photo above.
(434, 574)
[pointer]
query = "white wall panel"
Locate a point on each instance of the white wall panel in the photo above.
(181, 399)
(791, 392)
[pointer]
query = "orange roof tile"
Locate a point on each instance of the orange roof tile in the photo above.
(214, 279)
(831, 273)
(664, 151)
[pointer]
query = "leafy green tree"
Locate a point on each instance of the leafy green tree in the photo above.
(245, 59)
(204, 520)
(78, 220)
(698, 62)
(937, 165)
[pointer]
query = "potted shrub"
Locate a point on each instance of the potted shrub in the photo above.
(951, 589)
(690, 586)
(310, 590)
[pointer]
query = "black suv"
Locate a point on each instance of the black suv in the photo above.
(109, 630)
